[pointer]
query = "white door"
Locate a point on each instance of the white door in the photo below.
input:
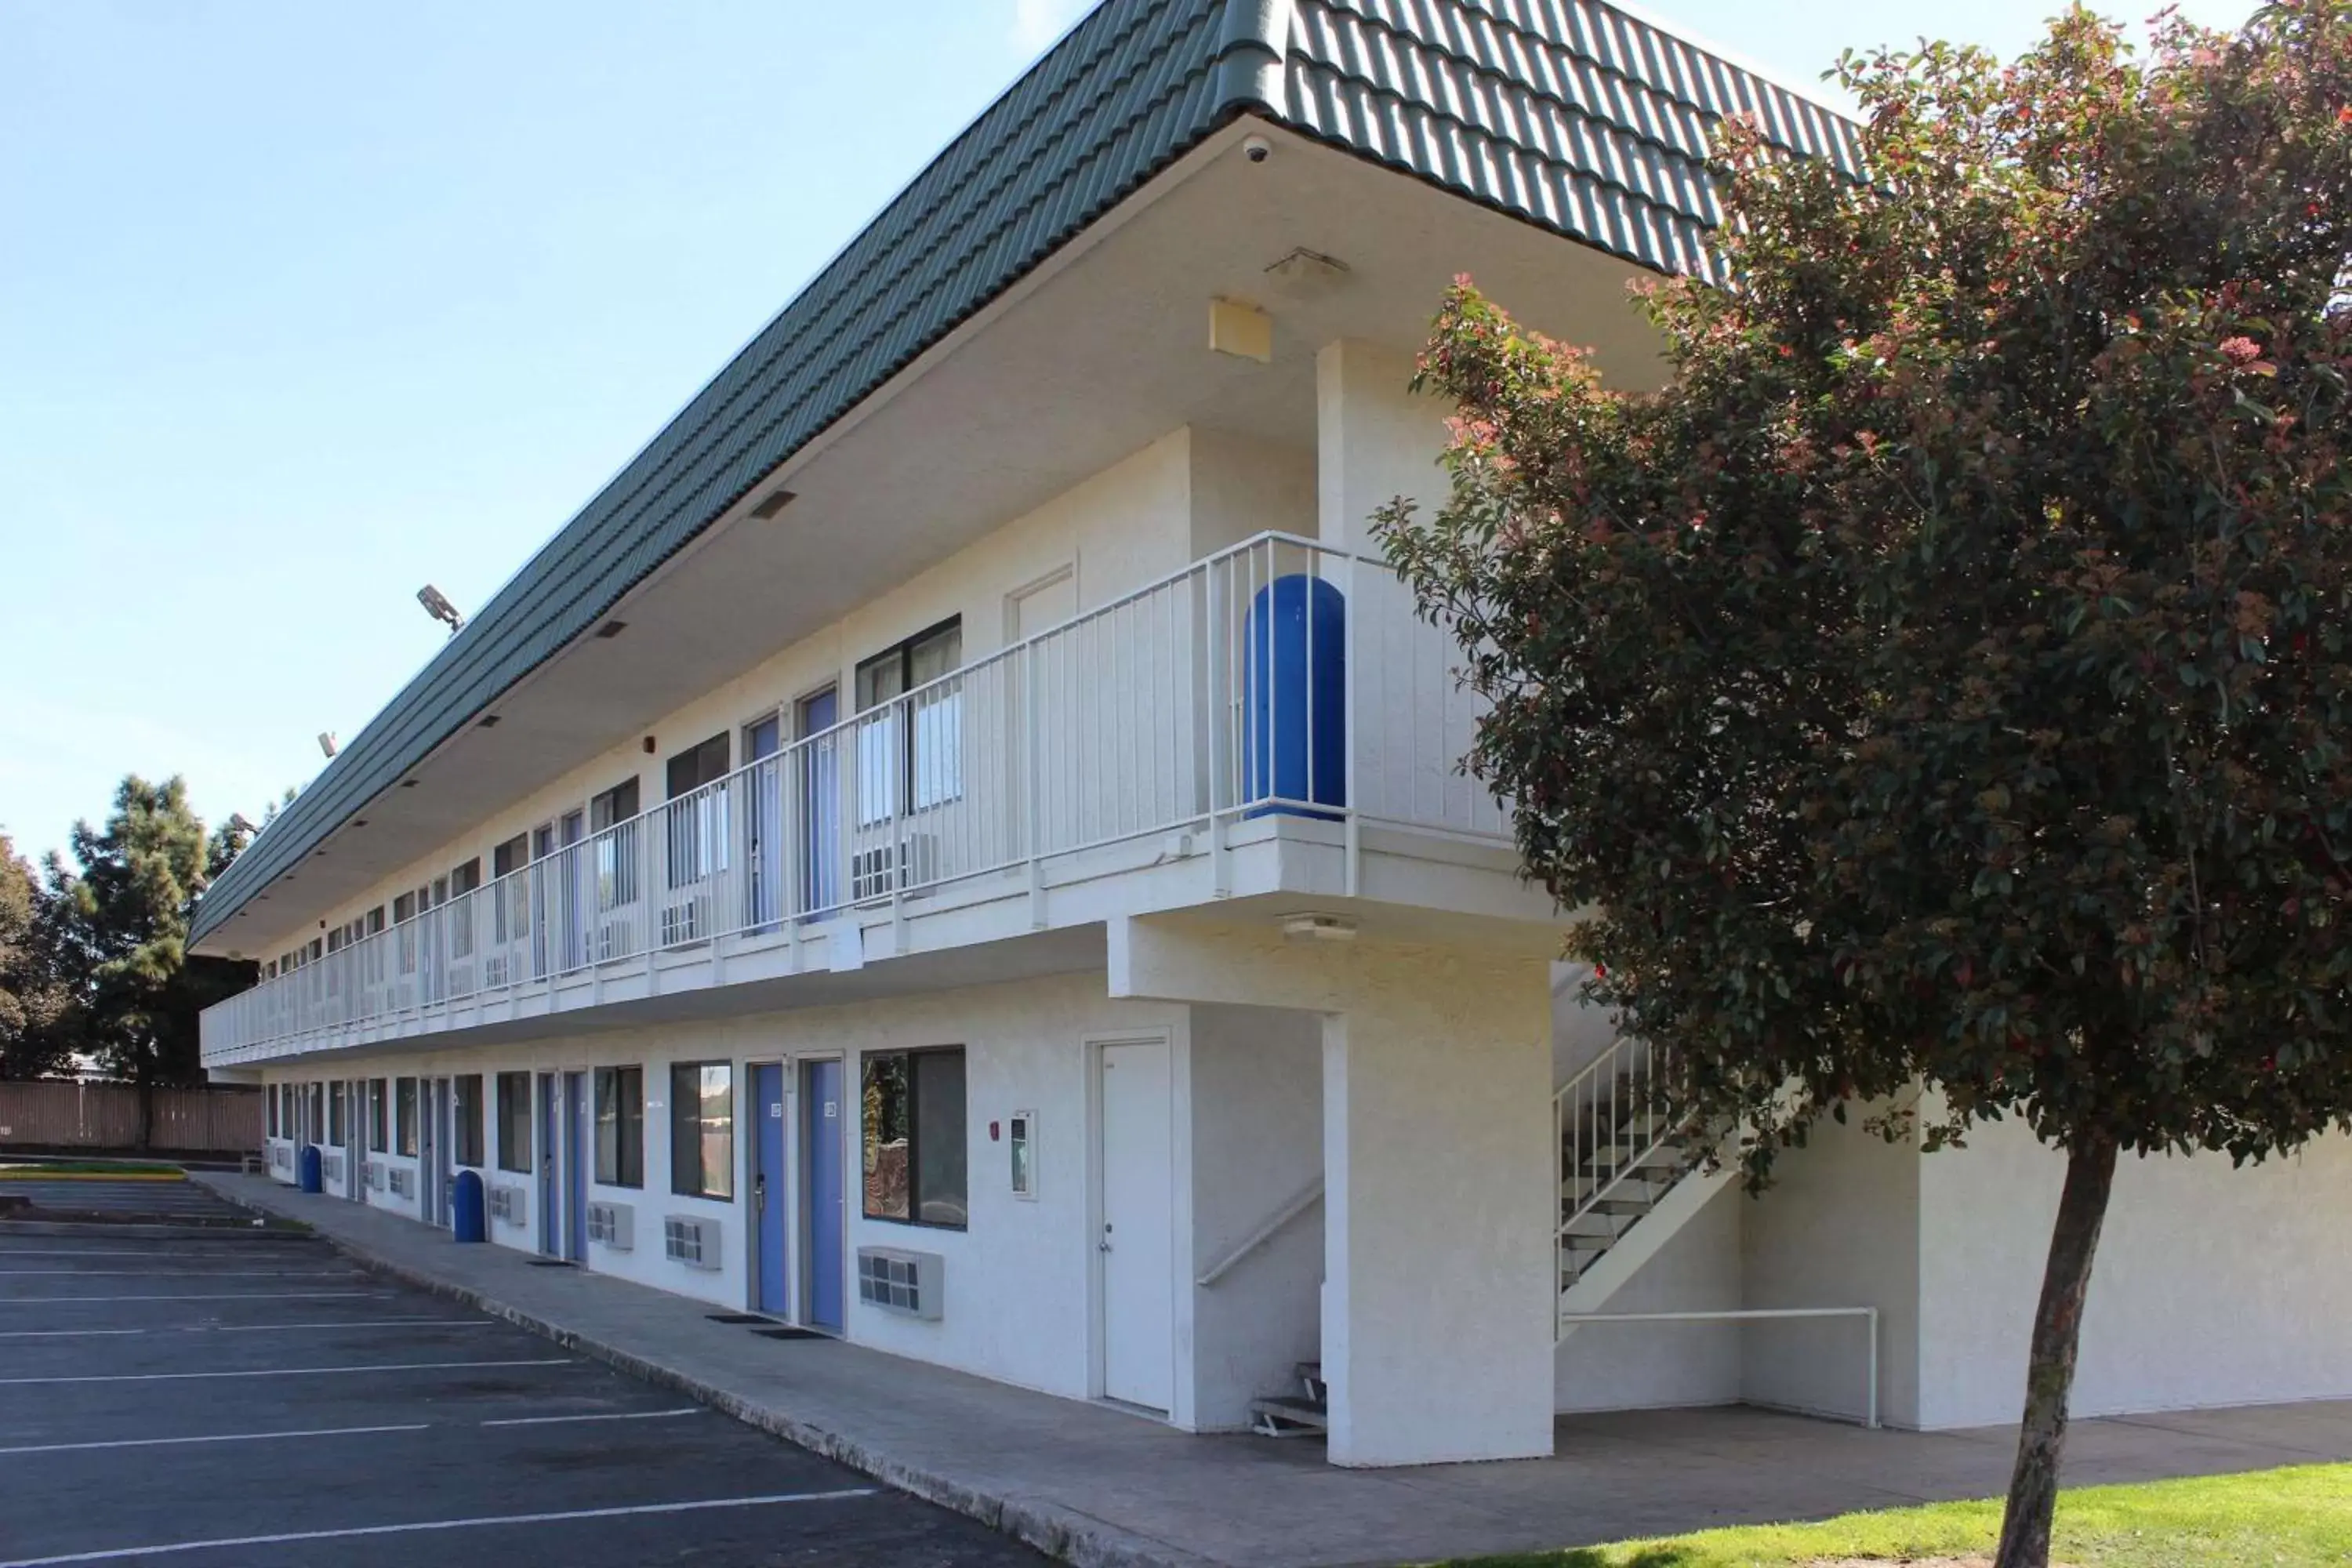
(1138, 1226)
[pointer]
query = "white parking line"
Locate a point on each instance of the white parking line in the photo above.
(217, 1437)
(280, 1372)
(361, 1323)
(240, 1251)
(117, 1553)
(240, 1295)
(247, 1328)
(557, 1420)
(183, 1273)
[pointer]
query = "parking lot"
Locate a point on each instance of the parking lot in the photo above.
(261, 1401)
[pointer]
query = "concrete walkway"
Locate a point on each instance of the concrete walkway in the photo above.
(1101, 1488)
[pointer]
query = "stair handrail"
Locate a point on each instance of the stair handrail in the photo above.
(1640, 1063)
(1305, 1198)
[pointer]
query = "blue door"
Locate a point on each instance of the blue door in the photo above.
(822, 1115)
(768, 1185)
(550, 1242)
(575, 1168)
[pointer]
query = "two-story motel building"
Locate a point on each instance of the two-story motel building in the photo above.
(959, 845)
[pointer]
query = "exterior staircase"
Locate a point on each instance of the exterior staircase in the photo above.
(1618, 1160)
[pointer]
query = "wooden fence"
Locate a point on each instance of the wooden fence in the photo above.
(48, 1114)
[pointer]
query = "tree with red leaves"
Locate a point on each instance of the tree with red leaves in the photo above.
(1944, 683)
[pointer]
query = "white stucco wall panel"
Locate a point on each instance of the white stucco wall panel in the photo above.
(1117, 530)
(1258, 1141)
(1018, 1285)
(2213, 1285)
(1639, 1367)
(1840, 1228)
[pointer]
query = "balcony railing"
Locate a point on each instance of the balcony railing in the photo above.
(1275, 677)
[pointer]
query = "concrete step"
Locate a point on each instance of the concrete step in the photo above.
(1288, 1416)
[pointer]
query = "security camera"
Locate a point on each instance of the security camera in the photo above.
(1258, 149)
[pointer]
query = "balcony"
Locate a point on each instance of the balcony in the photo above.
(1276, 687)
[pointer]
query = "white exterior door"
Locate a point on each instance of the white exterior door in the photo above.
(1138, 1226)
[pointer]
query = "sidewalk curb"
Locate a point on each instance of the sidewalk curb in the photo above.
(1072, 1537)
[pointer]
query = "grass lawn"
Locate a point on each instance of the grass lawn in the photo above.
(114, 1168)
(2298, 1518)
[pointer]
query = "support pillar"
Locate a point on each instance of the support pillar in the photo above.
(1440, 1179)
(1438, 1297)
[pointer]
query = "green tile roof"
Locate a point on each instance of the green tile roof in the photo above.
(1571, 114)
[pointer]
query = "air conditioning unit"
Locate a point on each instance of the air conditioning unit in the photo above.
(613, 1225)
(613, 939)
(693, 1242)
(510, 1204)
(494, 972)
(682, 923)
(281, 1155)
(879, 872)
(374, 1176)
(912, 1283)
(404, 1181)
(331, 1166)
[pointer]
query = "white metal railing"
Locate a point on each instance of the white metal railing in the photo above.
(1608, 1125)
(1305, 1198)
(1277, 675)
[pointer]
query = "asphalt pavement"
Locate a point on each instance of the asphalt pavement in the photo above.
(262, 1403)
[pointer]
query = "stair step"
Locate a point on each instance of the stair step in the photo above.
(1290, 1412)
(1603, 1220)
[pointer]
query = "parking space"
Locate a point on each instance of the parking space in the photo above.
(171, 1202)
(262, 1403)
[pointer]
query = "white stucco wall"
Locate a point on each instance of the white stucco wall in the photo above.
(2212, 1285)
(1638, 1366)
(1137, 521)
(1840, 1228)
(1258, 1141)
(1437, 1139)
(1018, 1302)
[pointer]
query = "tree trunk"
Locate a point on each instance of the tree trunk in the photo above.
(2050, 1374)
(146, 1113)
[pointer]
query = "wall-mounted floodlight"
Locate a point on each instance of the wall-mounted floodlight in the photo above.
(438, 607)
(327, 744)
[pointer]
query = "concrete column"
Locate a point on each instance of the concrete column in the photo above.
(1438, 1294)
(1375, 440)
(1439, 1175)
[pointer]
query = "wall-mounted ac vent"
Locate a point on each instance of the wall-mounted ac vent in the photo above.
(614, 1226)
(693, 1242)
(510, 1204)
(914, 1283)
(494, 971)
(682, 923)
(331, 1166)
(281, 1155)
(375, 1171)
(877, 872)
(404, 1181)
(614, 939)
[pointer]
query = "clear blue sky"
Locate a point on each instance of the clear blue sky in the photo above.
(305, 305)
